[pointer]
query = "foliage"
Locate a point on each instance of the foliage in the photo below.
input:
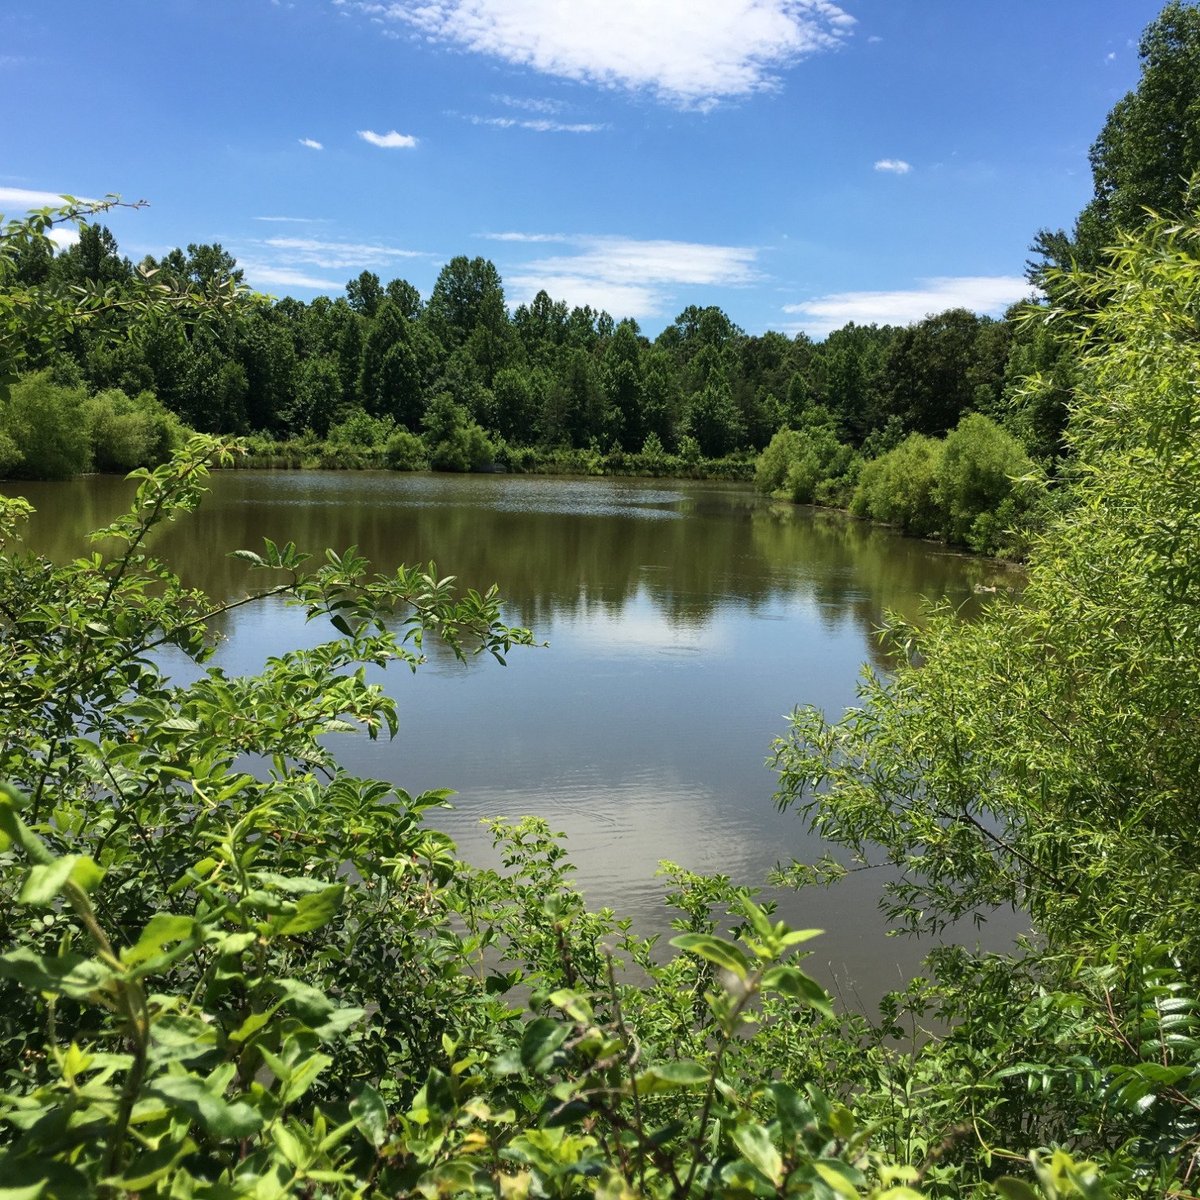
(46, 429)
(1043, 757)
(405, 451)
(40, 308)
(129, 431)
(808, 465)
(547, 380)
(977, 468)
(901, 487)
(454, 442)
(225, 984)
(1145, 156)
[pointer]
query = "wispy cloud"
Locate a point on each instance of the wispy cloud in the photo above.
(334, 255)
(311, 143)
(627, 276)
(897, 166)
(689, 53)
(23, 199)
(536, 124)
(388, 141)
(266, 275)
(990, 294)
(530, 104)
(527, 237)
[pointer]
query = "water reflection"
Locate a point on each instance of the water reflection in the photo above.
(684, 621)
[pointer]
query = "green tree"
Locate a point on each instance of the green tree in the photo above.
(93, 259)
(712, 418)
(466, 297)
(125, 432)
(453, 440)
(939, 369)
(976, 471)
(901, 487)
(389, 380)
(365, 294)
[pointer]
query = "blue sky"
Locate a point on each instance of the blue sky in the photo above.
(800, 163)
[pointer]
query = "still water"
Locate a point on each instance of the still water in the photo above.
(683, 621)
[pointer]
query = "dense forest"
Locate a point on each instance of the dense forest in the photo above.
(220, 982)
(380, 377)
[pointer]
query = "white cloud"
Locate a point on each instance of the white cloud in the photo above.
(23, 199)
(530, 104)
(626, 276)
(990, 294)
(264, 275)
(897, 166)
(621, 300)
(63, 236)
(537, 124)
(628, 260)
(528, 237)
(690, 53)
(311, 143)
(337, 256)
(388, 141)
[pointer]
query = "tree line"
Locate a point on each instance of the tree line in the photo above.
(543, 375)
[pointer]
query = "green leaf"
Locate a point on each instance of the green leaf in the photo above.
(303, 1076)
(755, 1143)
(222, 1119)
(43, 883)
(541, 1039)
(671, 1077)
(370, 1114)
(715, 950)
(793, 1108)
(311, 912)
(840, 1176)
(152, 1165)
(1016, 1189)
(793, 982)
(162, 929)
(289, 1145)
(68, 974)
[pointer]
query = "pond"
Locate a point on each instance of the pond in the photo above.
(684, 620)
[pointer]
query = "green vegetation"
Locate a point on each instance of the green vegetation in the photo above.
(973, 487)
(1044, 757)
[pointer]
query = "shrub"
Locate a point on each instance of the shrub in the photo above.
(127, 432)
(771, 469)
(808, 466)
(406, 452)
(46, 429)
(359, 430)
(900, 487)
(978, 465)
(454, 441)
